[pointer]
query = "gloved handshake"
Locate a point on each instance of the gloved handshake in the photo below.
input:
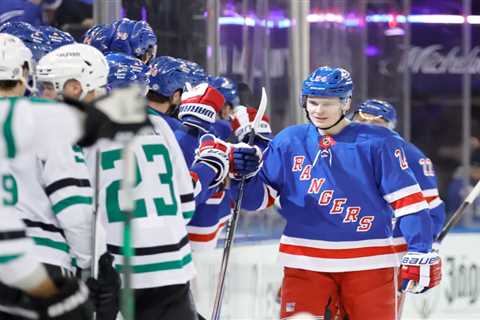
(237, 159)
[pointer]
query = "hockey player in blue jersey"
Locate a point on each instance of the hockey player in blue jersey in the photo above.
(125, 70)
(168, 78)
(339, 185)
(135, 38)
(229, 90)
(383, 113)
(33, 38)
(56, 37)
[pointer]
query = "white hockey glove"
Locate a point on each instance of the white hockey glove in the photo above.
(245, 160)
(213, 152)
(420, 271)
(242, 121)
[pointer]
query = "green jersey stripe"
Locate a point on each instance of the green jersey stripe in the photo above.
(52, 244)
(70, 201)
(8, 131)
(188, 214)
(160, 266)
(5, 259)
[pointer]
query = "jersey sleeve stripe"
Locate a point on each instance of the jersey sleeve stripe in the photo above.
(12, 235)
(435, 203)
(197, 237)
(51, 243)
(145, 251)
(430, 192)
(68, 182)
(187, 197)
(160, 266)
(402, 193)
(408, 200)
(7, 258)
(70, 201)
(188, 214)
(44, 226)
(412, 208)
(8, 132)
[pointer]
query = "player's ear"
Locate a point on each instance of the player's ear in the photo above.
(177, 97)
(346, 105)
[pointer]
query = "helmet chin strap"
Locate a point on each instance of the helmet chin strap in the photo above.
(329, 127)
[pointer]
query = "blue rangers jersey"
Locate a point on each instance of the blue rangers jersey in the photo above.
(154, 115)
(338, 195)
(212, 212)
(424, 172)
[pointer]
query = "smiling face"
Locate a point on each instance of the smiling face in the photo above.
(325, 111)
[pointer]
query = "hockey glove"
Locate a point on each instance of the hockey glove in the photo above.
(245, 160)
(420, 271)
(105, 290)
(196, 122)
(70, 303)
(242, 120)
(118, 115)
(213, 152)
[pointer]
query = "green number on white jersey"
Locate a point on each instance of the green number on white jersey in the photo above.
(9, 185)
(154, 153)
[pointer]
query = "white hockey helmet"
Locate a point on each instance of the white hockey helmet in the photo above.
(13, 57)
(76, 61)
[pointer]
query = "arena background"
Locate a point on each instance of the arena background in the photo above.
(420, 55)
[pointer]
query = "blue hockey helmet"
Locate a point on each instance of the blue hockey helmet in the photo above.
(168, 75)
(328, 82)
(99, 36)
(120, 38)
(33, 38)
(227, 87)
(135, 38)
(143, 41)
(125, 69)
(194, 67)
(56, 37)
(378, 109)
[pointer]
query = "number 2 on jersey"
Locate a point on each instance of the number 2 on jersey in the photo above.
(112, 192)
(400, 154)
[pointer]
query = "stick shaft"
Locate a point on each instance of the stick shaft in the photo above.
(458, 214)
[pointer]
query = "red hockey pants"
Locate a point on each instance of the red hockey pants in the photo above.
(356, 295)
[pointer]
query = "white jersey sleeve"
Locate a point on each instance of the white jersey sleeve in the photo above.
(20, 133)
(66, 182)
(18, 265)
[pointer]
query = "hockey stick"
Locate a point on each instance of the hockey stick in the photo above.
(232, 225)
(457, 215)
(459, 212)
(128, 183)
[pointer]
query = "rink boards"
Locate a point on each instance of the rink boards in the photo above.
(254, 278)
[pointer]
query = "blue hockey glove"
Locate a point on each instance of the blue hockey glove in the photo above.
(213, 152)
(420, 271)
(245, 160)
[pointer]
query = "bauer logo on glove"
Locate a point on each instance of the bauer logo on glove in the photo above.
(200, 105)
(420, 271)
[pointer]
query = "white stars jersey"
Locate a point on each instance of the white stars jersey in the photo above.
(20, 134)
(164, 203)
